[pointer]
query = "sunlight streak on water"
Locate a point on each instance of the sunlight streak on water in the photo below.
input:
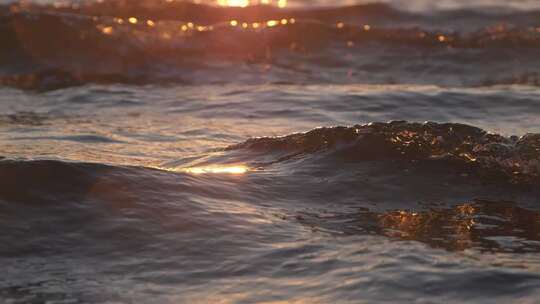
(218, 170)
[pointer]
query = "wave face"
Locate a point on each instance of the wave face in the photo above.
(141, 42)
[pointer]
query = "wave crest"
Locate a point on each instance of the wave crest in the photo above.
(514, 158)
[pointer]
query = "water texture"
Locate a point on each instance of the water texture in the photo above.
(297, 152)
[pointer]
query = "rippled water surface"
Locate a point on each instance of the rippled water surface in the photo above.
(298, 152)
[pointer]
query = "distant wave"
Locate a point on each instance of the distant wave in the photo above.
(48, 47)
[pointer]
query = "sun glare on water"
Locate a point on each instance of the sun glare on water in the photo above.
(217, 170)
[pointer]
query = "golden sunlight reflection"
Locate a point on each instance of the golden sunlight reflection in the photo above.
(466, 226)
(495, 226)
(236, 169)
(166, 32)
(107, 30)
(240, 3)
(272, 23)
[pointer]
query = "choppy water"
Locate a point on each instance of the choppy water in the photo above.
(171, 152)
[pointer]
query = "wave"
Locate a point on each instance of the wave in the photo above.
(328, 179)
(143, 43)
(515, 159)
(340, 180)
(435, 147)
(203, 13)
(448, 147)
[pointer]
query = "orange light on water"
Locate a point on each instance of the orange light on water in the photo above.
(217, 170)
(240, 3)
(272, 23)
(107, 30)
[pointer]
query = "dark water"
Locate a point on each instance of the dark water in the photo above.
(321, 152)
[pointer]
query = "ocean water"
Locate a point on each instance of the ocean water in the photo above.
(317, 152)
